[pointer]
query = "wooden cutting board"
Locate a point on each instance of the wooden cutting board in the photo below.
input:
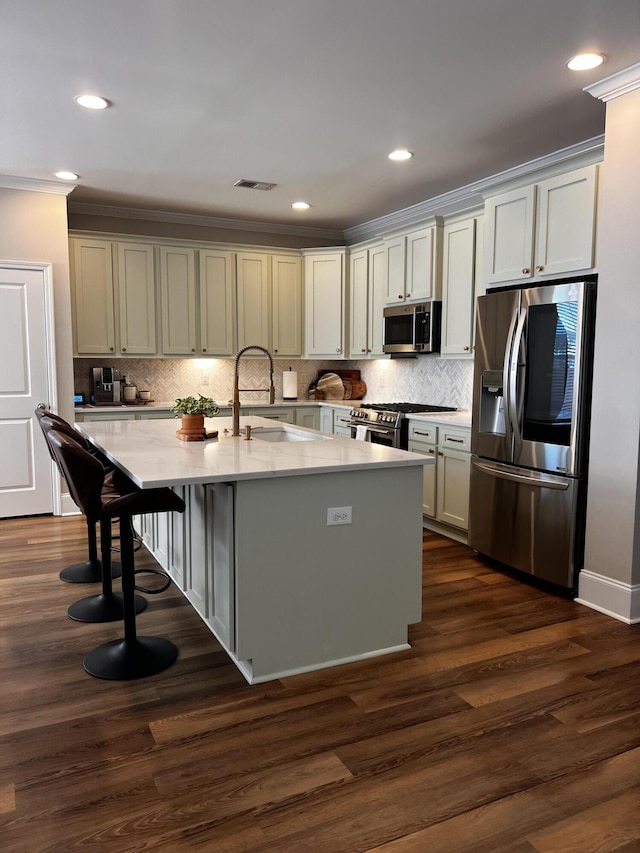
(330, 387)
(354, 389)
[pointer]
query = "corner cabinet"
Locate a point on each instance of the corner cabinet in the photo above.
(367, 288)
(542, 230)
(414, 265)
(113, 288)
(325, 304)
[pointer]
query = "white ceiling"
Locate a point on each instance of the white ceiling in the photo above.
(308, 94)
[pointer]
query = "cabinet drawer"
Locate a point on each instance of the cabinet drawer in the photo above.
(456, 439)
(424, 433)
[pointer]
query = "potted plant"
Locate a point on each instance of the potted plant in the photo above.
(193, 411)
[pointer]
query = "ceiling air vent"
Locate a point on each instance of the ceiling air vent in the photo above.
(254, 185)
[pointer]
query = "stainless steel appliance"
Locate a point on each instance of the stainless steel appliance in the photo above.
(412, 329)
(386, 423)
(105, 385)
(529, 439)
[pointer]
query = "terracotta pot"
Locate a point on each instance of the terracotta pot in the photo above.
(192, 425)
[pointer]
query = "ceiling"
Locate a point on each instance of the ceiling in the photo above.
(308, 94)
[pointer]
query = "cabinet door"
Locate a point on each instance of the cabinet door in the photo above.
(422, 274)
(377, 298)
(326, 420)
(197, 580)
(217, 279)
(178, 287)
(93, 296)
(136, 299)
(222, 604)
(359, 290)
(254, 315)
(396, 251)
(565, 225)
(325, 305)
(179, 555)
(309, 418)
(286, 302)
(509, 235)
(458, 288)
(453, 470)
(428, 478)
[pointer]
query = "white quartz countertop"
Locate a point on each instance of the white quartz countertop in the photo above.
(149, 452)
(461, 418)
(168, 405)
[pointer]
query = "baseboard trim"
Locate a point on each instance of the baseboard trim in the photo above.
(444, 530)
(67, 506)
(611, 597)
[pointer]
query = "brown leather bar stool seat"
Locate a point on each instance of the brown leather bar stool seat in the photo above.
(107, 606)
(90, 571)
(132, 656)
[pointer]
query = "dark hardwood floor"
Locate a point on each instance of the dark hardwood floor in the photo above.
(512, 724)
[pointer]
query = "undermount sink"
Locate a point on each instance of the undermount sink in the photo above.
(284, 434)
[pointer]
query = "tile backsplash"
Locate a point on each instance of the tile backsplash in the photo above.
(426, 379)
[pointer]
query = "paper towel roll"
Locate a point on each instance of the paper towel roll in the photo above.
(290, 385)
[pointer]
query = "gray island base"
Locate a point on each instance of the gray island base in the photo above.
(282, 591)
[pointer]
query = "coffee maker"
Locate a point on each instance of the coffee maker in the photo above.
(105, 386)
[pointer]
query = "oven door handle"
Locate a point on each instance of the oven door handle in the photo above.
(376, 429)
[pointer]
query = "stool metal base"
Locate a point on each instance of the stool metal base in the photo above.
(102, 608)
(88, 572)
(120, 660)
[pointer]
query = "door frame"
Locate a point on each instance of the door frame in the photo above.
(46, 268)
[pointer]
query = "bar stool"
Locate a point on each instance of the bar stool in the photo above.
(132, 656)
(90, 571)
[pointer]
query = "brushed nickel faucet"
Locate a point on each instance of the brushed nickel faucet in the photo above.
(235, 402)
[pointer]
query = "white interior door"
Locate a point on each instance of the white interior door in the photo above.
(27, 378)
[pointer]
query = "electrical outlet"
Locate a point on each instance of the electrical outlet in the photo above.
(338, 515)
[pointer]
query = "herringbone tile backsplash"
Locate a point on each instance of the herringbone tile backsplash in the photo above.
(426, 379)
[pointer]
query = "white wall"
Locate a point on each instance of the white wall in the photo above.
(33, 227)
(612, 513)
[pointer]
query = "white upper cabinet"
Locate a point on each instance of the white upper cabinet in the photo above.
(217, 302)
(546, 229)
(113, 298)
(325, 304)
(136, 299)
(414, 265)
(368, 290)
(254, 309)
(178, 288)
(286, 305)
(458, 287)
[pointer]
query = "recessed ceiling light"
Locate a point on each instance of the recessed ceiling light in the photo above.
(400, 154)
(585, 61)
(67, 176)
(92, 102)
(300, 205)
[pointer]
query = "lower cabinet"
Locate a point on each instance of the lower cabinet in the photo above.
(308, 417)
(445, 484)
(342, 422)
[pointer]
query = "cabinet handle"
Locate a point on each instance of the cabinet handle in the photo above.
(526, 270)
(440, 453)
(417, 432)
(539, 269)
(455, 440)
(466, 349)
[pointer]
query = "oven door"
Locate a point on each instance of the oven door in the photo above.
(376, 434)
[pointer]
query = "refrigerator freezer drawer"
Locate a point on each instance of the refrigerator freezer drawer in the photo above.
(524, 519)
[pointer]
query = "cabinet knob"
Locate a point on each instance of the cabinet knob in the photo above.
(337, 349)
(363, 349)
(407, 295)
(204, 349)
(193, 349)
(400, 296)
(466, 349)
(275, 350)
(431, 452)
(539, 269)
(111, 349)
(440, 453)
(124, 349)
(368, 350)
(526, 270)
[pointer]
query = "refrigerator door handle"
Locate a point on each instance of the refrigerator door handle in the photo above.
(545, 481)
(507, 363)
(514, 413)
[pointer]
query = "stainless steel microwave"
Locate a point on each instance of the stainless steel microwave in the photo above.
(412, 329)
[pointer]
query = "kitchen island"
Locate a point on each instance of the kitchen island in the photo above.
(283, 589)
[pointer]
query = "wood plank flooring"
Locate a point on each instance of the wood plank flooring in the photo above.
(512, 724)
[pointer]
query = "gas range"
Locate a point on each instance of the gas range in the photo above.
(386, 423)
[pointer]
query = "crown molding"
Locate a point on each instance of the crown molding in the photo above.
(616, 84)
(203, 221)
(473, 195)
(10, 182)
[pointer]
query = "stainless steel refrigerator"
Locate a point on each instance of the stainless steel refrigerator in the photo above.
(529, 443)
